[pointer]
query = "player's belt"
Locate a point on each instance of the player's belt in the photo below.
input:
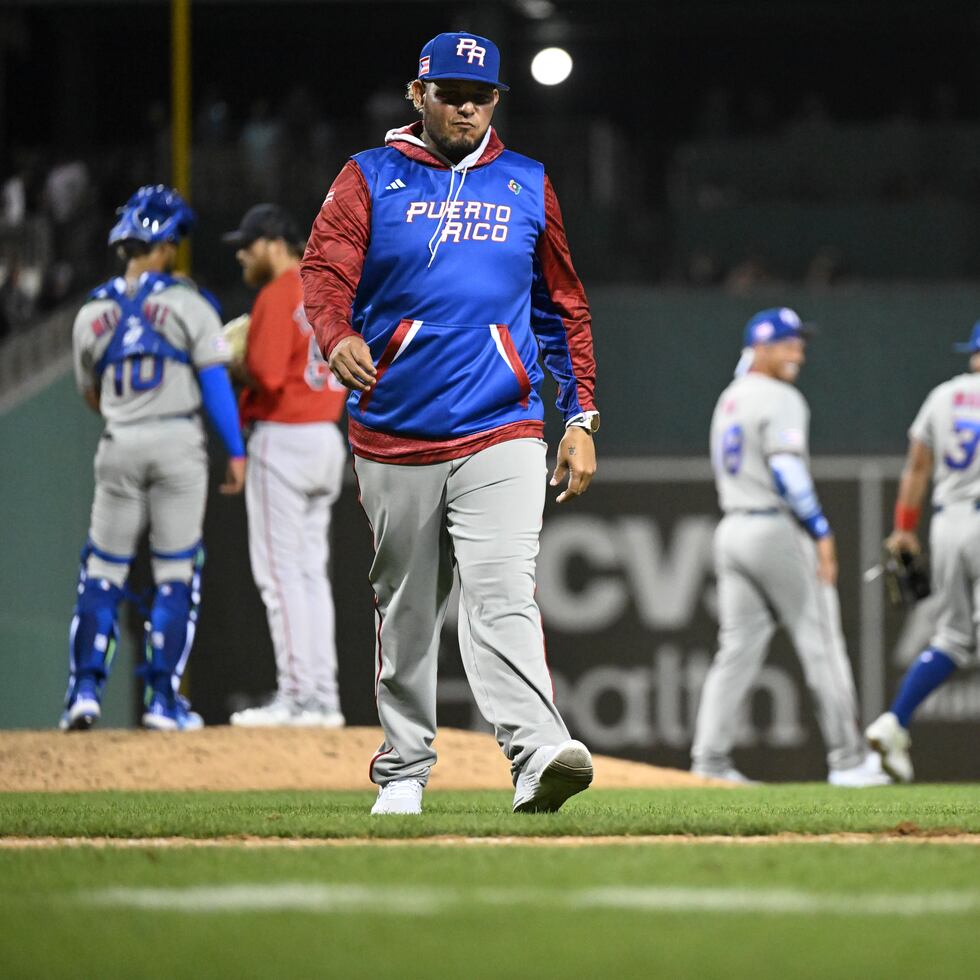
(166, 417)
(939, 508)
(756, 511)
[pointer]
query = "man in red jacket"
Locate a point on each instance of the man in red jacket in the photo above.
(436, 275)
(293, 404)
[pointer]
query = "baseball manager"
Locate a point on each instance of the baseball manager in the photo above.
(436, 271)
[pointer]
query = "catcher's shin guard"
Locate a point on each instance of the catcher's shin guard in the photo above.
(93, 634)
(170, 631)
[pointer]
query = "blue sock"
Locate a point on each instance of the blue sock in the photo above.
(928, 672)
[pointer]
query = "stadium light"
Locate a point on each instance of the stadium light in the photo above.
(551, 66)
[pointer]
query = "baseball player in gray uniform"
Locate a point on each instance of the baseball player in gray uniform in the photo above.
(943, 443)
(148, 352)
(775, 558)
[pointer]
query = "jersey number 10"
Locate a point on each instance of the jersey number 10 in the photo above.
(139, 379)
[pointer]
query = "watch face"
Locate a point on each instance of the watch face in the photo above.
(594, 422)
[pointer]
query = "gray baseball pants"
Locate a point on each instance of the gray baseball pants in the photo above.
(766, 568)
(481, 513)
(295, 474)
(954, 544)
(150, 472)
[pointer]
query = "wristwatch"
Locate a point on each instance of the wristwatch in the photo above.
(585, 420)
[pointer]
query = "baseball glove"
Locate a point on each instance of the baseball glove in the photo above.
(906, 577)
(235, 333)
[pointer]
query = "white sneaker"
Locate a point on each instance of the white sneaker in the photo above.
(867, 773)
(81, 716)
(403, 796)
(280, 711)
(316, 716)
(729, 774)
(892, 743)
(551, 776)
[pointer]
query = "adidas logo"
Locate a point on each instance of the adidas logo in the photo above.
(396, 185)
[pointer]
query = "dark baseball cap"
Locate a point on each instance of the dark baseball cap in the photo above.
(263, 221)
(461, 55)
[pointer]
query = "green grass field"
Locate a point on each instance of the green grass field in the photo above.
(484, 910)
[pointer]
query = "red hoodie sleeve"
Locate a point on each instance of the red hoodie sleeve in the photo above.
(331, 267)
(560, 314)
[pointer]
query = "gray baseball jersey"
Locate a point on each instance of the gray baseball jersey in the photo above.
(184, 318)
(949, 424)
(151, 464)
(767, 575)
(756, 417)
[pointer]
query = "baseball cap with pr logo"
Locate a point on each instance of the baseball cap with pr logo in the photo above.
(461, 55)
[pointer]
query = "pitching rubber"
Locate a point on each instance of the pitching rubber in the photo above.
(568, 773)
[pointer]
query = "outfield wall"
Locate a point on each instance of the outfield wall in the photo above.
(624, 578)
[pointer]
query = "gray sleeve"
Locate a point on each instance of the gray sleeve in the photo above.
(787, 428)
(205, 342)
(83, 345)
(923, 427)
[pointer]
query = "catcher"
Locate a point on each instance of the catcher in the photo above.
(943, 444)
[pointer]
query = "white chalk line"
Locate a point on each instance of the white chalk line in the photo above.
(435, 900)
(456, 840)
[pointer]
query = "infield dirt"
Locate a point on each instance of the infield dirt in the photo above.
(224, 758)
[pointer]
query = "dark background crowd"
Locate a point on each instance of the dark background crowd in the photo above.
(698, 143)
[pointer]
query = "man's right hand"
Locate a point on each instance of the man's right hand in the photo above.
(352, 365)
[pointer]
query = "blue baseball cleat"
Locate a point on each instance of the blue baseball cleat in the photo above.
(84, 710)
(171, 714)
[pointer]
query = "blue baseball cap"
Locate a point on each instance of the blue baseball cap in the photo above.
(771, 326)
(973, 344)
(461, 55)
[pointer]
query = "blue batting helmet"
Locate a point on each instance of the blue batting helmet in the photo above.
(155, 213)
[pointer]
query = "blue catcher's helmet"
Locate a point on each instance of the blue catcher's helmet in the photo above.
(155, 213)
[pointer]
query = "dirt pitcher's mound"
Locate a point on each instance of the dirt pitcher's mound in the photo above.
(224, 758)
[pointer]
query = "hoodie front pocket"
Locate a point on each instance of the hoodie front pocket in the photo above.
(400, 339)
(505, 346)
(441, 379)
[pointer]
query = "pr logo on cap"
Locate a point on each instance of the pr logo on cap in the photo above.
(461, 55)
(473, 52)
(763, 331)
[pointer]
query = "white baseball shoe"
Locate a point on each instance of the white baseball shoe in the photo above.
(278, 712)
(84, 711)
(284, 712)
(892, 743)
(551, 776)
(402, 796)
(867, 773)
(729, 773)
(320, 717)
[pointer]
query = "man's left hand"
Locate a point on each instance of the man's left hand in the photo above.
(576, 460)
(234, 476)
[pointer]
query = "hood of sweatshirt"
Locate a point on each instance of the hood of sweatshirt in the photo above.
(408, 140)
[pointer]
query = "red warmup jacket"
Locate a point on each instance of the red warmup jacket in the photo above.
(293, 383)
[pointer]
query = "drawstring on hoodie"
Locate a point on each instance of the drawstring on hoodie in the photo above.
(450, 201)
(406, 136)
